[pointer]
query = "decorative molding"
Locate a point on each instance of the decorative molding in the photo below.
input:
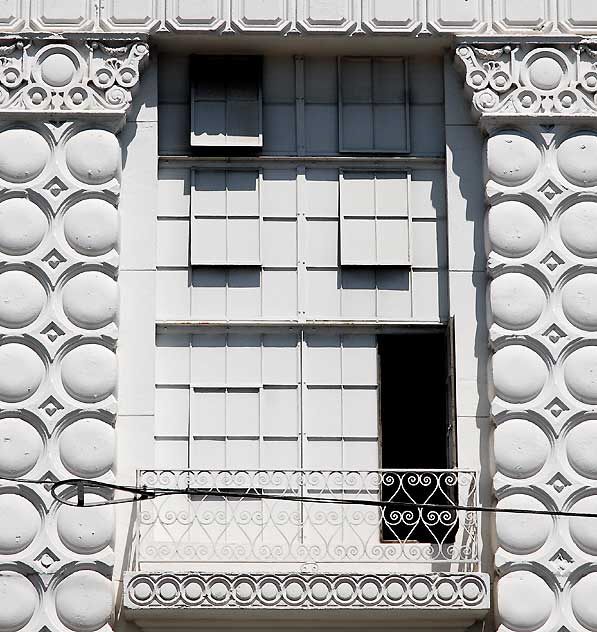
(521, 81)
(68, 79)
(541, 188)
(294, 590)
(59, 193)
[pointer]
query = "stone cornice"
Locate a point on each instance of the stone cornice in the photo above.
(543, 82)
(41, 78)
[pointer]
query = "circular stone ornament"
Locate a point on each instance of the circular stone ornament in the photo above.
(20, 447)
(22, 299)
(514, 228)
(18, 385)
(546, 73)
(522, 534)
(512, 159)
(93, 156)
(577, 159)
(581, 448)
(517, 301)
(18, 532)
(525, 601)
(23, 226)
(578, 229)
(519, 374)
(84, 601)
(580, 374)
(57, 70)
(89, 372)
(582, 530)
(24, 154)
(19, 601)
(86, 530)
(87, 448)
(91, 227)
(520, 447)
(584, 603)
(90, 300)
(579, 301)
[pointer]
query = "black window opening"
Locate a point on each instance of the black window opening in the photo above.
(417, 436)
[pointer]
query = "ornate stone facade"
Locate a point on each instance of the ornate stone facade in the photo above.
(60, 172)
(541, 188)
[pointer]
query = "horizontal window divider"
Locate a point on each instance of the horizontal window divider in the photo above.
(370, 161)
(374, 326)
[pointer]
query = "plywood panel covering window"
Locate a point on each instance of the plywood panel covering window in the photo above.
(226, 102)
(374, 218)
(374, 114)
(225, 218)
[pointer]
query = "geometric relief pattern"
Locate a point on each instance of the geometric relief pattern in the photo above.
(541, 187)
(284, 591)
(59, 190)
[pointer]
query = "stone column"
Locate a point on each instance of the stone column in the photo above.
(61, 105)
(538, 107)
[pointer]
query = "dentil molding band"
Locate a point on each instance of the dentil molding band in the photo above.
(539, 110)
(60, 170)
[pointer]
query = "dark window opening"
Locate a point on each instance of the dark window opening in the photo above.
(417, 436)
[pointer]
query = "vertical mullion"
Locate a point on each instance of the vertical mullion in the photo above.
(302, 388)
(375, 222)
(409, 216)
(372, 102)
(226, 214)
(301, 243)
(189, 408)
(299, 73)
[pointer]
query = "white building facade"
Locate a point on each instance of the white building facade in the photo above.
(314, 284)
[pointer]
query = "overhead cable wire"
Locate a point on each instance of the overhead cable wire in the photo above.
(64, 490)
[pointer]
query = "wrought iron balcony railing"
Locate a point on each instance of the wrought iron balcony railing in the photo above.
(309, 518)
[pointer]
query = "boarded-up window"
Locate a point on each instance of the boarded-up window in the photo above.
(226, 102)
(374, 218)
(225, 218)
(374, 105)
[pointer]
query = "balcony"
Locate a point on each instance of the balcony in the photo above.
(392, 546)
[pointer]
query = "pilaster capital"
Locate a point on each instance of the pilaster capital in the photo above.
(69, 78)
(523, 80)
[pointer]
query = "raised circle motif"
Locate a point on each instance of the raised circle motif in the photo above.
(514, 228)
(519, 374)
(91, 227)
(22, 299)
(521, 448)
(23, 226)
(19, 601)
(581, 447)
(584, 604)
(20, 447)
(580, 374)
(93, 156)
(142, 590)
(85, 530)
(579, 301)
(18, 385)
(525, 601)
(57, 70)
(577, 159)
(582, 530)
(84, 601)
(24, 154)
(89, 373)
(522, 534)
(87, 448)
(545, 73)
(517, 301)
(23, 526)
(512, 159)
(578, 229)
(90, 299)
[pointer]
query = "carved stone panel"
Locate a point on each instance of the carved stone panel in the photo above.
(541, 188)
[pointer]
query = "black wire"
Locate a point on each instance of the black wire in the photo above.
(80, 485)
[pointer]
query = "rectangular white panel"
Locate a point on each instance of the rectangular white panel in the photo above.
(374, 105)
(375, 224)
